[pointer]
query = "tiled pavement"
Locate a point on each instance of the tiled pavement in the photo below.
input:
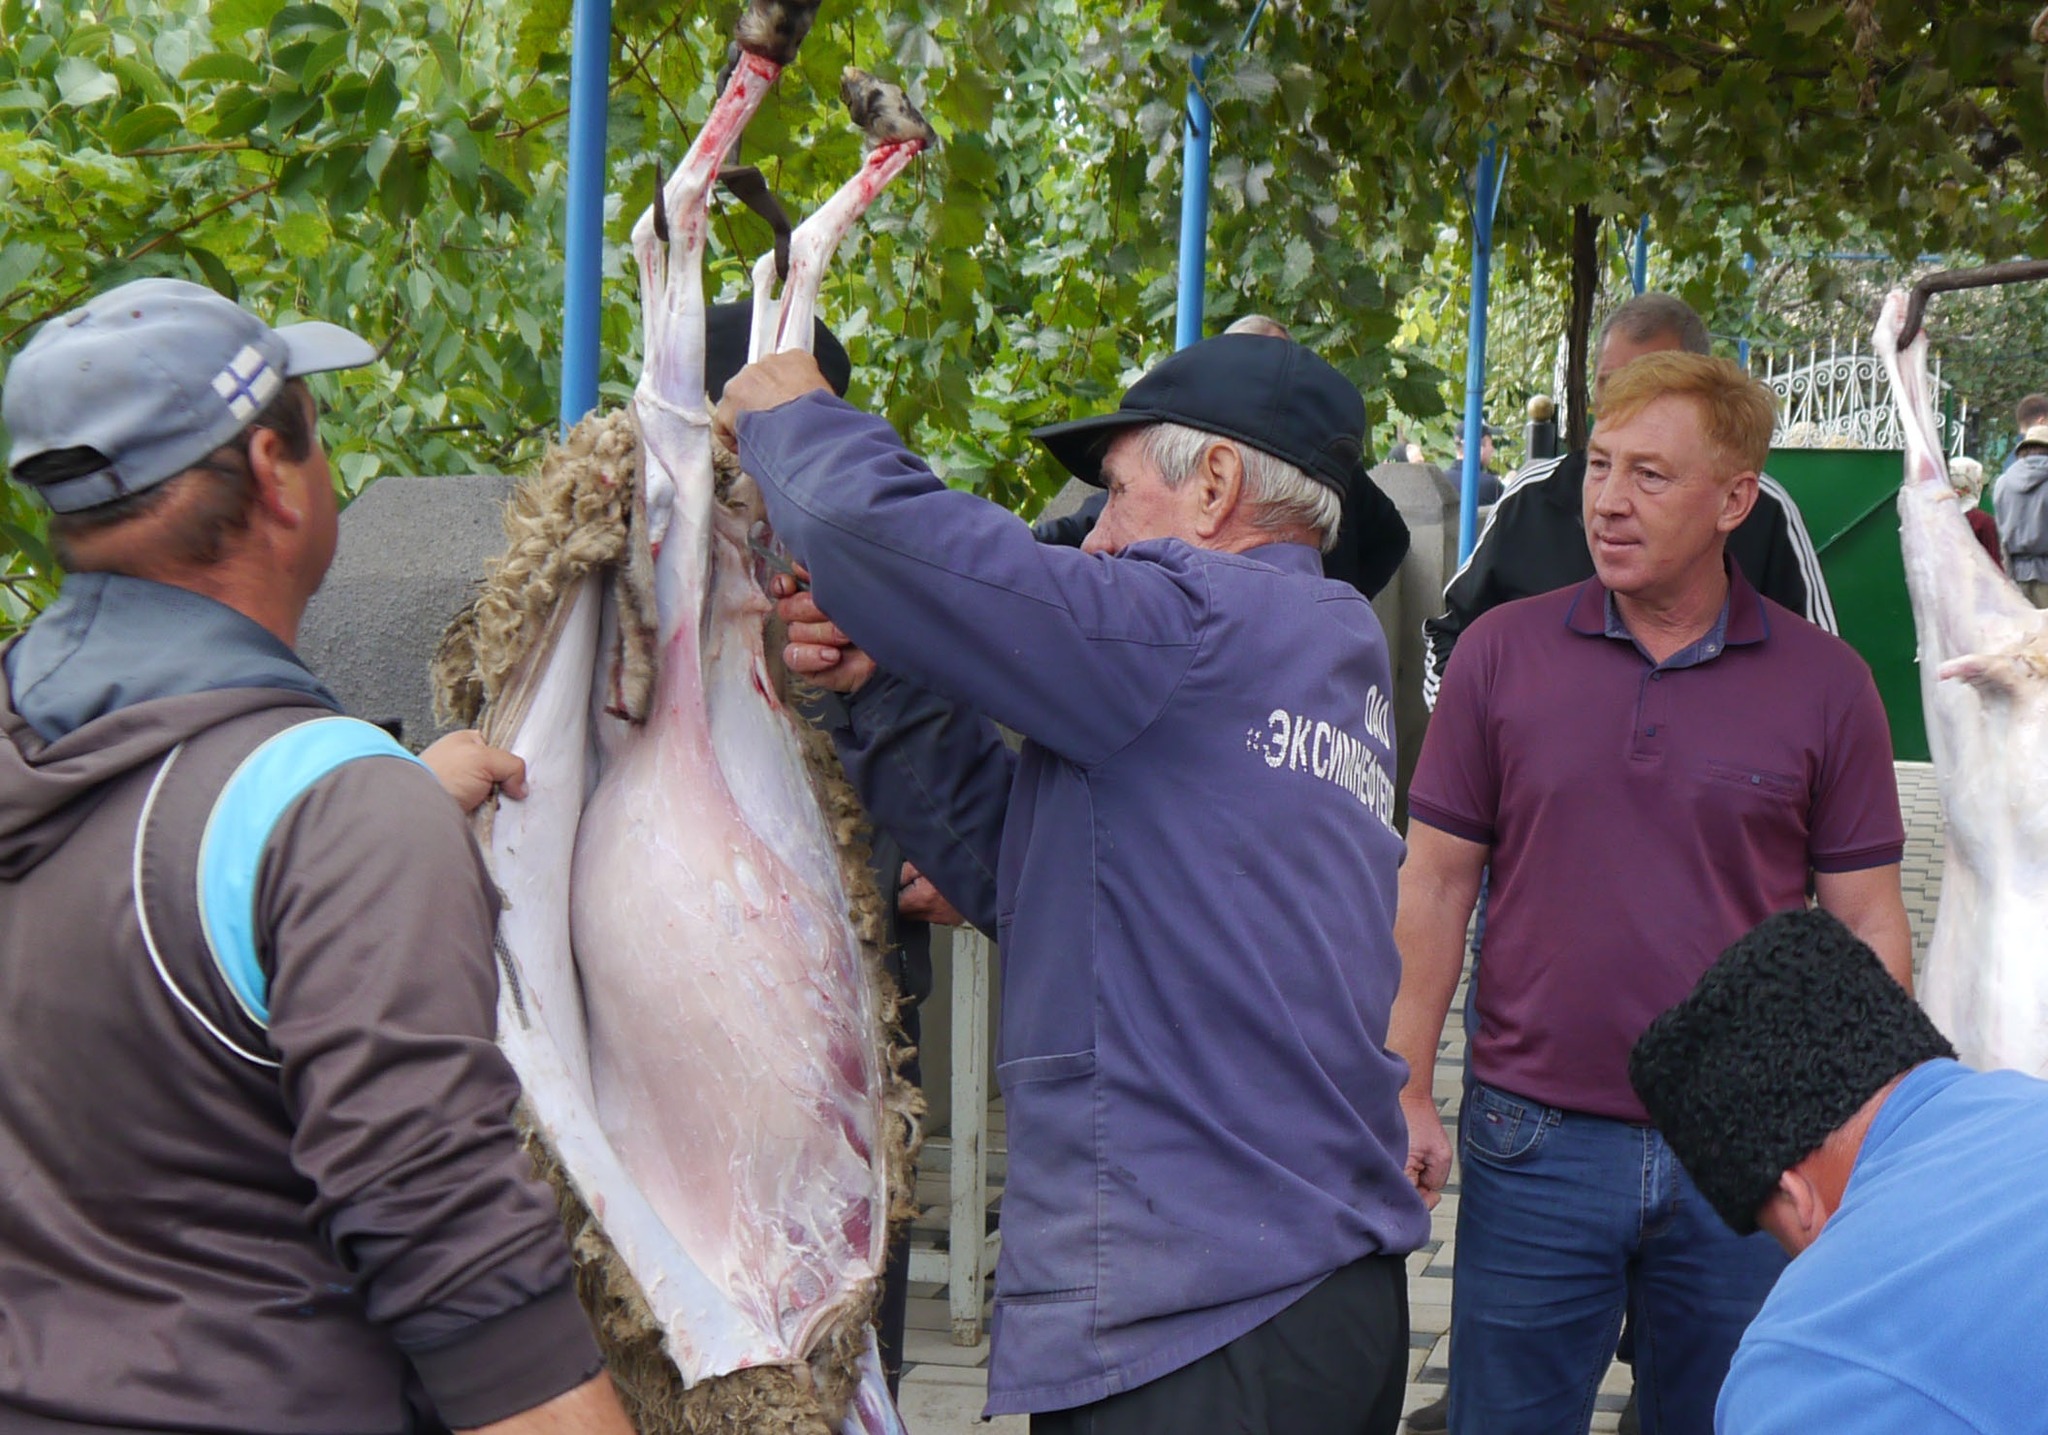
(944, 1385)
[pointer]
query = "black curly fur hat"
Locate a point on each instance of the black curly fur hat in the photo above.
(1786, 1036)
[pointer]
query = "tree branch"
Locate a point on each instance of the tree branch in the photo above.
(132, 255)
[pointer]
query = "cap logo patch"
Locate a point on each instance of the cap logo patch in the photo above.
(247, 383)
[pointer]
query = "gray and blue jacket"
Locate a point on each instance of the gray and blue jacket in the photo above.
(1194, 892)
(2019, 500)
(258, 1168)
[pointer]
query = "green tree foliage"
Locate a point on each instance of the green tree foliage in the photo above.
(397, 164)
(386, 164)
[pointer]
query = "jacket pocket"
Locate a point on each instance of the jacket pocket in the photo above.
(1049, 1200)
(1503, 1129)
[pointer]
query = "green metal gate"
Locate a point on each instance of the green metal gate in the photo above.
(1850, 500)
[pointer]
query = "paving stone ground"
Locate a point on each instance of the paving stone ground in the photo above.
(944, 1385)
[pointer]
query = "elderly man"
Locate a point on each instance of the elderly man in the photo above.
(256, 1140)
(1372, 537)
(1808, 1095)
(1651, 762)
(2020, 501)
(1205, 1214)
(1534, 541)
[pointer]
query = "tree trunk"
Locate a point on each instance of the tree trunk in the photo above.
(1578, 329)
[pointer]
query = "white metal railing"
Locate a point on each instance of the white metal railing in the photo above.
(1836, 398)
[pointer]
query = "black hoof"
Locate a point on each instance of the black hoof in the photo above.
(882, 109)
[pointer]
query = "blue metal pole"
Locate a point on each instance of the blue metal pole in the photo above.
(1194, 211)
(583, 244)
(1639, 264)
(1742, 344)
(1485, 194)
(1194, 197)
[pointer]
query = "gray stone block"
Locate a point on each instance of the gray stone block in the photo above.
(1429, 506)
(410, 555)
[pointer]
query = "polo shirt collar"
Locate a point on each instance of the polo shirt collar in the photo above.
(1741, 622)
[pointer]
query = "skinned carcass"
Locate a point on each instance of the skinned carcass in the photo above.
(700, 1029)
(1983, 653)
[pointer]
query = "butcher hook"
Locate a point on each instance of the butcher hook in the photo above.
(2013, 271)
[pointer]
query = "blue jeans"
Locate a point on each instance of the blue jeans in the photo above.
(1566, 1223)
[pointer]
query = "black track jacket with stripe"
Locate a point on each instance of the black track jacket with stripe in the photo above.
(1535, 541)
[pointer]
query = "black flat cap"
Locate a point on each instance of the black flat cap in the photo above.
(1271, 394)
(728, 329)
(1786, 1036)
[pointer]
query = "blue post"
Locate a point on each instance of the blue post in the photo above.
(1742, 344)
(1639, 263)
(583, 245)
(1194, 211)
(1485, 194)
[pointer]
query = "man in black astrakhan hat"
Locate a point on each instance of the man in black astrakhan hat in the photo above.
(1193, 862)
(1806, 1094)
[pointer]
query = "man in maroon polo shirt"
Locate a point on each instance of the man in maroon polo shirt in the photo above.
(1652, 762)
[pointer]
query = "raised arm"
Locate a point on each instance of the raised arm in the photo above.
(934, 776)
(1077, 651)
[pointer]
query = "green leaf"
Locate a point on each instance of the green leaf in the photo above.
(236, 112)
(303, 234)
(217, 276)
(455, 150)
(17, 262)
(380, 106)
(141, 127)
(401, 188)
(30, 546)
(232, 19)
(378, 154)
(450, 60)
(23, 98)
(295, 20)
(323, 59)
(222, 65)
(80, 83)
(288, 110)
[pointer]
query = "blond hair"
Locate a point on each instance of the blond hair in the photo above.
(1736, 411)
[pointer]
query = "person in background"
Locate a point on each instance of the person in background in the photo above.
(1808, 1095)
(2020, 502)
(1651, 762)
(1535, 540)
(1489, 481)
(1967, 477)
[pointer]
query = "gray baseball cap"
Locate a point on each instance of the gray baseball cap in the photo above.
(154, 375)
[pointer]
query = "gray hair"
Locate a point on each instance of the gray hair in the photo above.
(1262, 324)
(1650, 316)
(1280, 495)
(1966, 476)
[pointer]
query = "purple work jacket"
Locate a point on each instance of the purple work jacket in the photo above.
(1195, 892)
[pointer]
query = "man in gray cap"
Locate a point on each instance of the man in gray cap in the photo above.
(1807, 1095)
(256, 1138)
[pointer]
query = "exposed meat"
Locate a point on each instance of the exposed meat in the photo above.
(1984, 684)
(698, 1029)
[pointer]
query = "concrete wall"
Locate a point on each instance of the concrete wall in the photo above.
(1429, 506)
(411, 553)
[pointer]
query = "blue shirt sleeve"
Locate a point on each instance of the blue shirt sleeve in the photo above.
(933, 776)
(1077, 651)
(1774, 1388)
